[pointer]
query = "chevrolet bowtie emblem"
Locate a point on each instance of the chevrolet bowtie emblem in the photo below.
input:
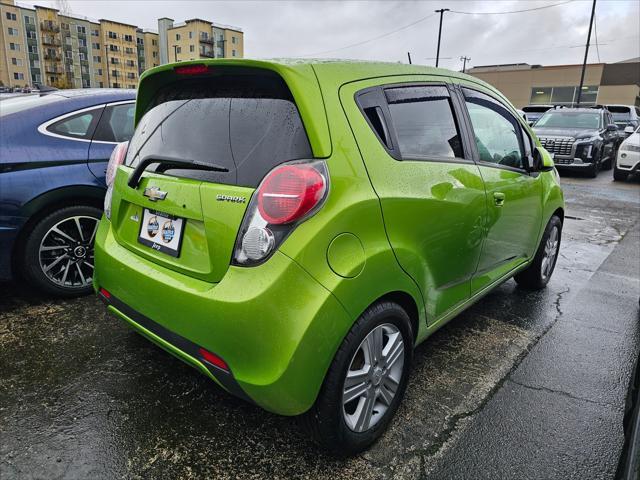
(154, 194)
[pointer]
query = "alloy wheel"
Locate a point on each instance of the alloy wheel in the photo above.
(550, 252)
(373, 377)
(66, 252)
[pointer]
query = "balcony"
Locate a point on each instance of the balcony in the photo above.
(207, 55)
(207, 40)
(51, 68)
(49, 27)
(54, 58)
(51, 41)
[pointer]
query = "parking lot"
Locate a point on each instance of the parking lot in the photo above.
(82, 396)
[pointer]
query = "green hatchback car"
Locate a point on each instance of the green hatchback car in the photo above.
(293, 229)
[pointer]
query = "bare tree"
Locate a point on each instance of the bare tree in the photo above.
(64, 7)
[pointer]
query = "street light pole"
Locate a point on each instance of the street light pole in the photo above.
(586, 53)
(441, 11)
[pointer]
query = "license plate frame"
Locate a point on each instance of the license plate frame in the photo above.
(168, 231)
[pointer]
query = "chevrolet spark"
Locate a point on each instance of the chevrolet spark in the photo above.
(294, 229)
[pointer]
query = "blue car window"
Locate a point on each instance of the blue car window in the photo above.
(116, 124)
(77, 126)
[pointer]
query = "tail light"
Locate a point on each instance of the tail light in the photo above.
(117, 158)
(287, 196)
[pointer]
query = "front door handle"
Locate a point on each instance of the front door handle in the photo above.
(498, 197)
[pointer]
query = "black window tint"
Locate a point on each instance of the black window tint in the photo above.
(80, 125)
(423, 120)
(376, 119)
(246, 124)
(116, 123)
(497, 132)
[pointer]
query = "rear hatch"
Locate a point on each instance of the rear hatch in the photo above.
(236, 124)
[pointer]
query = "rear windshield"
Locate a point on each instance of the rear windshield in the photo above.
(579, 120)
(247, 124)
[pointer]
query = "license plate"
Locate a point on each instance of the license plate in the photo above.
(161, 231)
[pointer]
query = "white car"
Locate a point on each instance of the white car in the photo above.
(628, 159)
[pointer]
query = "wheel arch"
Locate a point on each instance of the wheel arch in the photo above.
(48, 202)
(408, 304)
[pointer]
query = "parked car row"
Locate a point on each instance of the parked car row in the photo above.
(55, 150)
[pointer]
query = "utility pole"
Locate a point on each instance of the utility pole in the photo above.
(106, 59)
(464, 59)
(409, 55)
(586, 53)
(441, 11)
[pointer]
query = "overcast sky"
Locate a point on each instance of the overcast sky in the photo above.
(549, 36)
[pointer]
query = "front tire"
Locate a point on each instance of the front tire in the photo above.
(538, 274)
(365, 383)
(58, 254)
(618, 174)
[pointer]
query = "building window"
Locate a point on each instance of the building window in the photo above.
(13, 31)
(154, 43)
(131, 63)
(114, 61)
(82, 55)
(67, 40)
(95, 33)
(14, 46)
(32, 35)
(177, 36)
(233, 53)
(18, 76)
(563, 95)
(17, 62)
(82, 42)
(191, 48)
(11, 16)
(29, 20)
(233, 39)
(99, 72)
(113, 34)
(96, 46)
(179, 49)
(113, 48)
(97, 59)
(81, 29)
(101, 84)
(190, 35)
(155, 54)
(131, 75)
(128, 38)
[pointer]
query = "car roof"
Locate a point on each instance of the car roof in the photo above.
(103, 94)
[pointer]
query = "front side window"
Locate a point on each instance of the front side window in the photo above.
(422, 117)
(496, 131)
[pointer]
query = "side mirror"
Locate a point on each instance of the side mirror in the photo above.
(542, 160)
(629, 129)
(612, 127)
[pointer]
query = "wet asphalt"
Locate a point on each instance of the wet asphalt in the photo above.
(521, 385)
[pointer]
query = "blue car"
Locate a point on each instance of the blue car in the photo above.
(54, 150)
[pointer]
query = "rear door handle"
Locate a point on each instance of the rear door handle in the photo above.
(498, 197)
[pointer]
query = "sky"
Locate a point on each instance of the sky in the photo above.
(387, 30)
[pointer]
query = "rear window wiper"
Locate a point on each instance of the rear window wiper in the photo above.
(167, 163)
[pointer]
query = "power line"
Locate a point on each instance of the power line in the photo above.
(595, 31)
(513, 11)
(372, 39)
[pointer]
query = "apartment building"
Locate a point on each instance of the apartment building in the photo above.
(42, 46)
(197, 38)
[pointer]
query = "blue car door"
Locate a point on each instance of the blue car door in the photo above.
(115, 126)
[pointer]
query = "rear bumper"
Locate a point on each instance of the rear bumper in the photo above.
(274, 325)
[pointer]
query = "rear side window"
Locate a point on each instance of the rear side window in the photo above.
(116, 123)
(422, 117)
(247, 124)
(79, 126)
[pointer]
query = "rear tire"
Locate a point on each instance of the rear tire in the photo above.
(58, 254)
(339, 424)
(538, 274)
